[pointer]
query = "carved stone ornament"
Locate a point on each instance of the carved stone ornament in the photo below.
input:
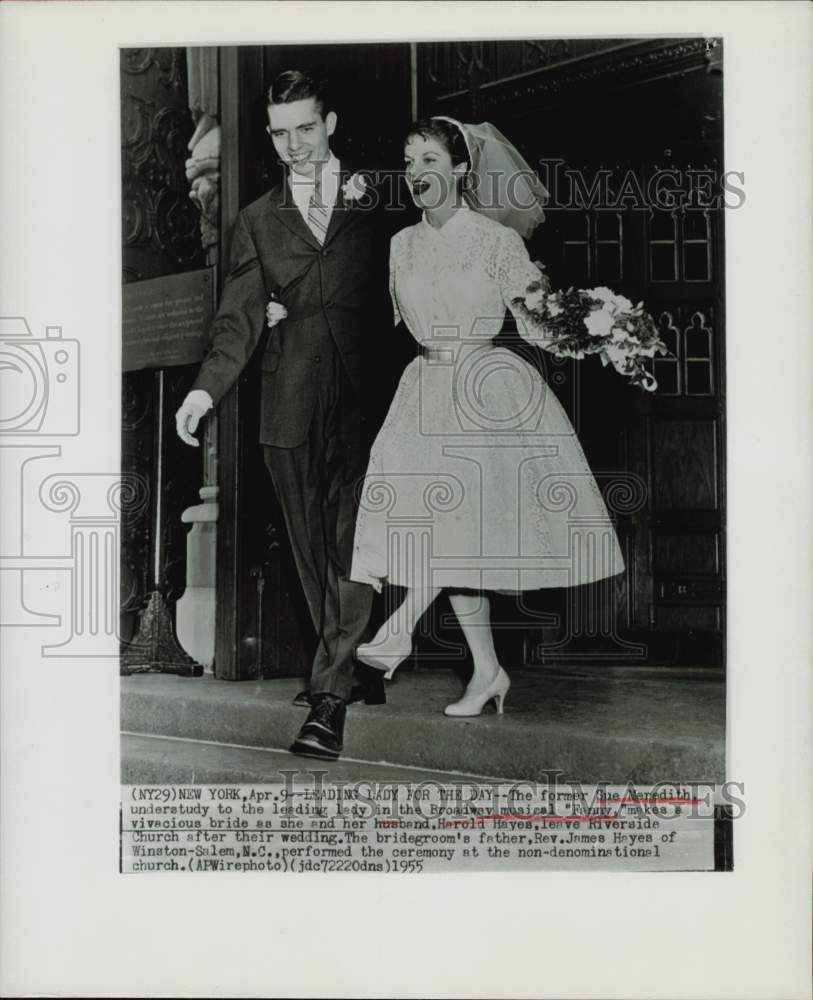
(203, 166)
(203, 173)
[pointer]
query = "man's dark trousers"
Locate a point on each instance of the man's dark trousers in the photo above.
(316, 484)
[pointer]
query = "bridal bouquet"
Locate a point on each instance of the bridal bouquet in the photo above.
(595, 321)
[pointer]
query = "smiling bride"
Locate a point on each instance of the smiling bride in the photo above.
(476, 482)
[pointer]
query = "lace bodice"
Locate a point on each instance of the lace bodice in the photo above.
(455, 283)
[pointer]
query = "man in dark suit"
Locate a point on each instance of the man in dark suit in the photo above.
(310, 260)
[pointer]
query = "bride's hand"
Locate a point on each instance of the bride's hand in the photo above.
(275, 312)
(543, 279)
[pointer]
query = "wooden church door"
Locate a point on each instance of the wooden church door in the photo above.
(603, 120)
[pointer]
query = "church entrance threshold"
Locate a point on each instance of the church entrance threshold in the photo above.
(588, 724)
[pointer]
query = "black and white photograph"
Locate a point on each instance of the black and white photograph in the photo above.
(404, 469)
(424, 410)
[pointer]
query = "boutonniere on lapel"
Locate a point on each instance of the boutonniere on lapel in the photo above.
(355, 188)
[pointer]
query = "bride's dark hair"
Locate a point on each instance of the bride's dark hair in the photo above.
(448, 135)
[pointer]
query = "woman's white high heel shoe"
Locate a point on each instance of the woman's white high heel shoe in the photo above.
(386, 656)
(473, 704)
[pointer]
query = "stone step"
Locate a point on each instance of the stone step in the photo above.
(603, 724)
(147, 760)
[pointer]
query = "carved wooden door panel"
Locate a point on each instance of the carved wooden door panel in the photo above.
(601, 120)
(663, 451)
(678, 446)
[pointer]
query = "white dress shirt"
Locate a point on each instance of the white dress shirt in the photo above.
(302, 187)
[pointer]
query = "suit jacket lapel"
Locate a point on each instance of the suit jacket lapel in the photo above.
(284, 207)
(343, 209)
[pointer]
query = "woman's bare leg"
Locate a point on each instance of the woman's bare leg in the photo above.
(404, 620)
(489, 682)
(392, 643)
(473, 612)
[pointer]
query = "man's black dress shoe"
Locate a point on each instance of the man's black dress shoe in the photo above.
(322, 734)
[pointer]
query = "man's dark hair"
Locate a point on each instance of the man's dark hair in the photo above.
(296, 85)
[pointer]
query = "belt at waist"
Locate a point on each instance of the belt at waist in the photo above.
(445, 355)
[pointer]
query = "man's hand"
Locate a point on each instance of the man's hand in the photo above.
(197, 403)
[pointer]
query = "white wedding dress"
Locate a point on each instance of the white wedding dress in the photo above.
(476, 479)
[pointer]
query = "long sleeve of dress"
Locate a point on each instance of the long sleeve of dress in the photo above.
(514, 272)
(394, 253)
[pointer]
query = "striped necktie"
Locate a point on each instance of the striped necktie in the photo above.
(318, 213)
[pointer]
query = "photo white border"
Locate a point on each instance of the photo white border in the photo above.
(69, 923)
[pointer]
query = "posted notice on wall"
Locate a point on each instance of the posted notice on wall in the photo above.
(401, 827)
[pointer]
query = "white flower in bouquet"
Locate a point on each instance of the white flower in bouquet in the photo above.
(599, 323)
(602, 293)
(610, 300)
(554, 310)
